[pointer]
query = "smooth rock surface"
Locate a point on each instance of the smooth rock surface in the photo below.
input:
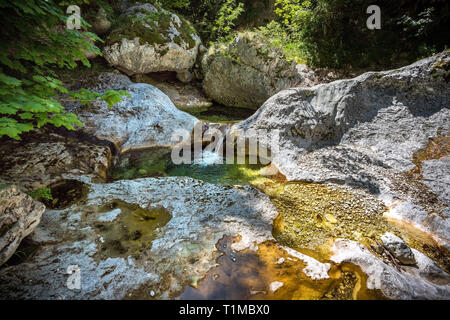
(148, 118)
(392, 113)
(183, 96)
(364, 132)
(19, 216)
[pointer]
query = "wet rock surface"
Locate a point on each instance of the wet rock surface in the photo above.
(270, 272)
(398, 248)
(426, 281)
(380, 132)
(311, 214)
(19, 216)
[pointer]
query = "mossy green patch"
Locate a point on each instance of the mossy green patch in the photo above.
(41, 193)
(153, 28)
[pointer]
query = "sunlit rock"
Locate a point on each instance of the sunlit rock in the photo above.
(147, 39)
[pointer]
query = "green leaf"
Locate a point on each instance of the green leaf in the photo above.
(7, 109)
(26, 116)
(10, 81)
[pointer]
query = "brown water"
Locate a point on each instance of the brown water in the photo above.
(249, 274)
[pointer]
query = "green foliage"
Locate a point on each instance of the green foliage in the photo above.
(172, 4)
(42, 194)
(226, 17)
(213, 19)
(329, 33)
(34, 43)
(333, 33)
(292, 12)
(279, 36)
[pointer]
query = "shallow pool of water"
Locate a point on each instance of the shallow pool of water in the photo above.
(156, 162)
(271, 273)
(128, 229)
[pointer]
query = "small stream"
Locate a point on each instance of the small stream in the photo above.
(249, 274)
(311, 215)
(156, 162)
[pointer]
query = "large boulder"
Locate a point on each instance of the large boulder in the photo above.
(365, 132)
(19, 216)
(145, 119)
(247, 71)
(146, 39)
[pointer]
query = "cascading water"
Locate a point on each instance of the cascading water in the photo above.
(209, 158)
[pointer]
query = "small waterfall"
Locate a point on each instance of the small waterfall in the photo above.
(209, 158)
(214, 153)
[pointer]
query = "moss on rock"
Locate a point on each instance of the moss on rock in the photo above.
(247, 70)
(154, 28)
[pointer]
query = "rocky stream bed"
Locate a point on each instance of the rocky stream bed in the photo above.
(355, 204)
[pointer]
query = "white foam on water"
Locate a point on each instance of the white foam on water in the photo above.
(209, 158)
